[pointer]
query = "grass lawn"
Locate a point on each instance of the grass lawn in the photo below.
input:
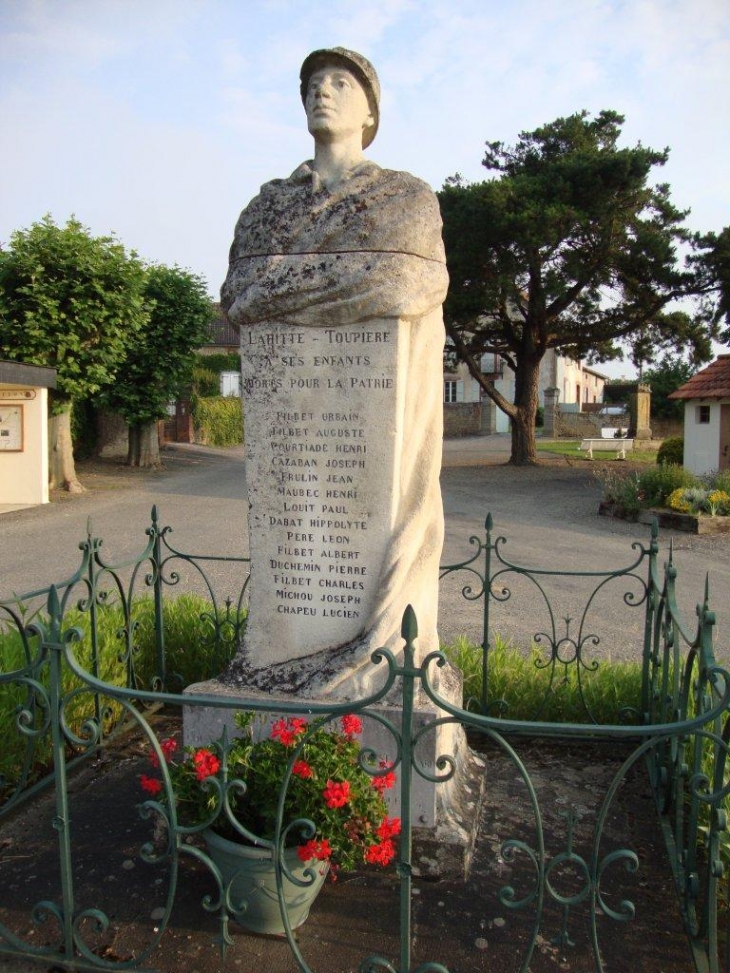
(570, 447)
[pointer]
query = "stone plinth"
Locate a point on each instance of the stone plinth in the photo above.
(345, 516)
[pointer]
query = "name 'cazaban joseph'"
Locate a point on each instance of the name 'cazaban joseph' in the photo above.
(343, 242)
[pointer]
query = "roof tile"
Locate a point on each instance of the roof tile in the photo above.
(712, 382)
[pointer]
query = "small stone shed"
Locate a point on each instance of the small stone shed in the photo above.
(706, 399)
(24, 432)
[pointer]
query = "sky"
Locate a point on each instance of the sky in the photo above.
(158, 120)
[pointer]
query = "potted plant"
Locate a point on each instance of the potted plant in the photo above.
(303, 784)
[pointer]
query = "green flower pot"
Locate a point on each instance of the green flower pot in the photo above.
(249, 873)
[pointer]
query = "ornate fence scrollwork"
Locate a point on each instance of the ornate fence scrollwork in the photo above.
(58, 701)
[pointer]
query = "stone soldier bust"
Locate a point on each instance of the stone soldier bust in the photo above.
(336, 279)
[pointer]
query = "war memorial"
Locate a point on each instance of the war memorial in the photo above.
(336, 279)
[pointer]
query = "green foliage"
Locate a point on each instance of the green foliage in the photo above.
(664, 378)
(14, 696)
(194, 651)
(219, 362)
(671, 452)
(217, 420)
(656, 483)
(83, 428)
(196, 646)
(519, 685)
(72, 302)
(534, 253)
(158, 362)
(649, 488)
(205, 382)
(712, 262)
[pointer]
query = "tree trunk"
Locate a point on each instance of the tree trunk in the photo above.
(527, 383)
(61, 469)
(144, 447)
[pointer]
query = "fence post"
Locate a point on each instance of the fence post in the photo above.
(91, 547)
(649, 621)
(159, 601)
(488, 523)
(409, 632)
(53, 641)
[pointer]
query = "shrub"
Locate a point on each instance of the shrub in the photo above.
(671, 452)
(650, 488)
(205, 382)
(217, 420)
(621, 489)
(717, 480)
(657, 482)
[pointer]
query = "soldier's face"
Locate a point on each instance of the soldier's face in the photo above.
(336, 104)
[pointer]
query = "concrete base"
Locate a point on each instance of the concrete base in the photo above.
(445, 851)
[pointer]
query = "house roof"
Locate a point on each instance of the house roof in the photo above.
(16, 373)
(222, 331)
(712, 382)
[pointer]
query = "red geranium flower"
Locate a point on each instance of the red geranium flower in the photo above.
(168, 747)
(206, 764)
(351, 725)
(287, 731)
(150, 784)
(302, 769)
(382, 854)
(389, 828)
(336, 794)
(320, 850)
(384, 782)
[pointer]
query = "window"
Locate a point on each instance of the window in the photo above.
(450, 391)
(703, 414)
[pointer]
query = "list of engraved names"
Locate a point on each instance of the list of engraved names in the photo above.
(317, 391)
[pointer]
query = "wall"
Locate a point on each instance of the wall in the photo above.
(462, 419)
(24, 475)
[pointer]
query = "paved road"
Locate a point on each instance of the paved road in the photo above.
(547, 514)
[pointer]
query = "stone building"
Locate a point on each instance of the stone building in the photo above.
(470, 412)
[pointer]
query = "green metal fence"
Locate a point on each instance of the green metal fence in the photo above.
(64, 692)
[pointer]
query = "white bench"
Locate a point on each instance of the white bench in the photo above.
(607, 446)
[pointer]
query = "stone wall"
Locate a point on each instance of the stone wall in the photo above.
(462, 419)
(577, 425)
(665, 428)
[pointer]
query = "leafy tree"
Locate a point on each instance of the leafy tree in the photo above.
(713, 265)
(159, 363)
(669, 333)
(72, 302)
(568, 247)
(664, 378)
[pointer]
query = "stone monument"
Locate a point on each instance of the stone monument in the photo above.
(337, 275)
(336, 279)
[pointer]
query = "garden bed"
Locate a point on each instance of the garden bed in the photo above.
(672, 519)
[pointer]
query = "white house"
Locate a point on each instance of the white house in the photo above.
(707, 417)
(24, 432)
(577, 384)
